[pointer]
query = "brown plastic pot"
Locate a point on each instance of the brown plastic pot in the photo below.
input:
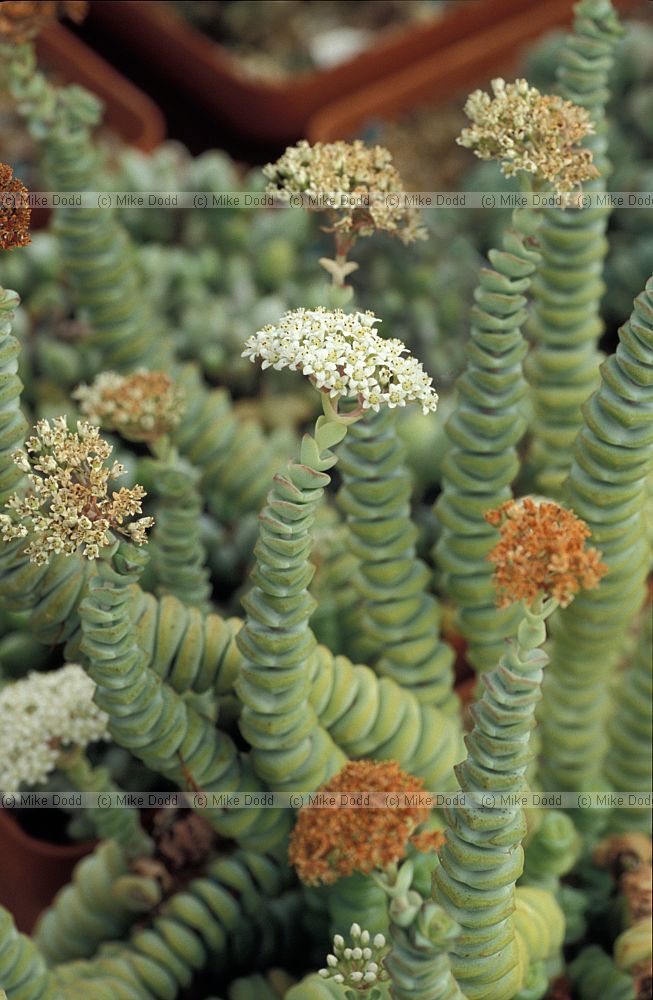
(280, 111)
(129, 113)
(32, 871)
(446, 74)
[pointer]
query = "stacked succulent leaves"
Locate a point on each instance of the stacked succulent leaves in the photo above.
(211, 704)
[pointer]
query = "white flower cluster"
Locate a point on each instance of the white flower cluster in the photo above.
(69, 503)
(344, 356)
(530, 131)
(356, 185)
(42, 714)
(359, 965)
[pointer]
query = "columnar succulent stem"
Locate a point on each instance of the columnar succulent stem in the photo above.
(152, 720)
(422, 935)
(97, 253)
(120, 822)
(178, 554)
(400, 620)
(566, 326)
(628, 763)
(606, 487)
(483, 433)
(290, 749)
(482, 857)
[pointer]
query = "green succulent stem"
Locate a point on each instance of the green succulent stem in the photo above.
(628, 761)
(234, 458)
(97, 254)
(422, 935)
(563, 367)
(482, 856)
(102, 901)
(483, 432)
(12, 422)
(149, 718)
(22, 969)
(119, 822)
(371, 716)
(607, 488)
(399, 618)
(210, 918)
(551, 848)
(177, 552)
(593, 973)
(289, 748)
(51, 592)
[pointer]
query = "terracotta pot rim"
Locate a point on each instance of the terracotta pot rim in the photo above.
(280, 110)
(128, 111)
(9, 827)
(441, 75)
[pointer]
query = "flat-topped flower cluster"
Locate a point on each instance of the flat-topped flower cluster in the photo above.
(329, 844)
(344, 356)
(68, 504)
(141, 406)
(355, 184)
(42, 715)
(530, 131)
(541, 550)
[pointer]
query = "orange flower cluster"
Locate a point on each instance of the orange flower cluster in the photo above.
(330, 843)
(542, 549)
(15, 213)
(21, 20)
(428, 841)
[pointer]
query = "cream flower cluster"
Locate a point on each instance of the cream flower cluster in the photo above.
(43, 714)
(344, 356)
(142, 406)
(68, 504)
(356, 185)
(530, 131)
(360, 965)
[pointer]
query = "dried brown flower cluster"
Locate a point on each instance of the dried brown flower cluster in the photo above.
(628, 857)
(530, 131)
(184, 840)
(68, 504)
(356, 185)
(330, 843)
(643, 981)
(15, 213)
(623, 852)
(142, 406)
(21, 20)
(541, 550)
